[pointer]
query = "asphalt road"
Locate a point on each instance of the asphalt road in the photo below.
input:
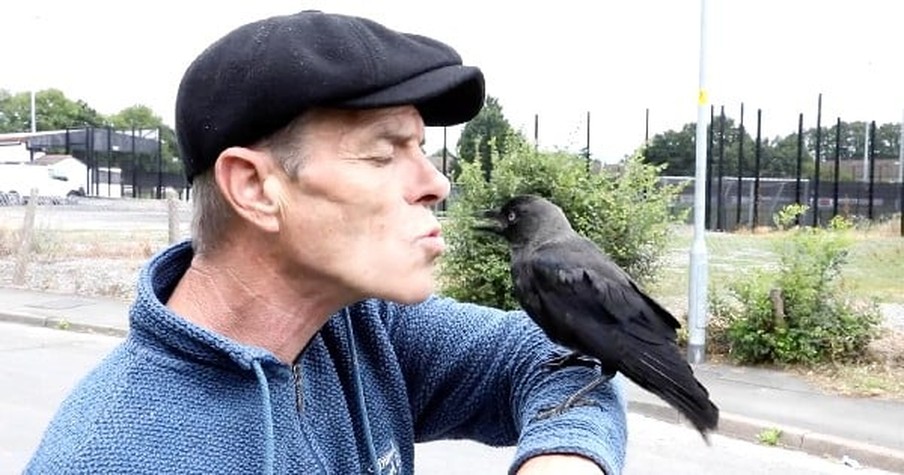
(96, 214)
(40, 366)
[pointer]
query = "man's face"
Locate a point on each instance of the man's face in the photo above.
(360, 213)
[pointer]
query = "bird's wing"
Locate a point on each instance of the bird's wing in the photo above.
(574, 279)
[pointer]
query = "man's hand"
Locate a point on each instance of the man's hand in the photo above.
(560, 463)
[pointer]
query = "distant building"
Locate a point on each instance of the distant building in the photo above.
(436, 158)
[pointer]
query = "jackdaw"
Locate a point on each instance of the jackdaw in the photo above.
(586, 303)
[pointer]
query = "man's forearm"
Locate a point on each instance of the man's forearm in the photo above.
(560, 463)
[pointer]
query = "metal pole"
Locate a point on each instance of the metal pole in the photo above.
(588, 141)
(818, 160)
(800, 161)
(134, 166)
(536, 132)
(756, 180)
(443, 204)
(741, 135)
(865, 152)
(646, 131)
(87, 163)
(719, 214)
(837, 166)
(34, 125)
(872, 169)
(697, 305)
(901, 174)
(109, 162)
(901, 156)
(709, 168)
(159, 164)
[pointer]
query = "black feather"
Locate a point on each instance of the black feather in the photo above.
(585, 302)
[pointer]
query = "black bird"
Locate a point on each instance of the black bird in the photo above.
(586, 303)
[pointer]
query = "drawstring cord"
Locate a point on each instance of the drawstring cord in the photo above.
(359, 395)
(268, 417)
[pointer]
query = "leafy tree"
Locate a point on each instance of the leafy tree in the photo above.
(676, 150)
(138, 116)
(853, 140)
(53, 111)
(143, 117)
(782, 158)
(489, 128)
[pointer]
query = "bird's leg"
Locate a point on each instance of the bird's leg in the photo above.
(577, 399)
(572, 358)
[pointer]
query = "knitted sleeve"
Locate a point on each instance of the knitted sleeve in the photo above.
(476, 372)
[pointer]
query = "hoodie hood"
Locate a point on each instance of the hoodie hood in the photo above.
(154, 323)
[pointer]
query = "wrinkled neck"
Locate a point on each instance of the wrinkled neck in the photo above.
(250, 302)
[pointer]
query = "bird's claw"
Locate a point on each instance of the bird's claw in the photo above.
(560, 409)
(570, 359)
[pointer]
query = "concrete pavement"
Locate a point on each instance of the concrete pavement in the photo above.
(871, 431)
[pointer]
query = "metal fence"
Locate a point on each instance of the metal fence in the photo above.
(734, 204)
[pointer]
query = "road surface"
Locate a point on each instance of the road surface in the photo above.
(40, 366)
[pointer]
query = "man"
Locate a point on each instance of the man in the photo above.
(297, 332)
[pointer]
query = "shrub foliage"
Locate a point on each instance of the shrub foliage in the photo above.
(798, 312)
(627, 213)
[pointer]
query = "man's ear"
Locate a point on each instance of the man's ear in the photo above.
(245, 178)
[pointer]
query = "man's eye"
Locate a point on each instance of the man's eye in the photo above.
(381, 159)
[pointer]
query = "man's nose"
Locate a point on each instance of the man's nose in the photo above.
(433, 185)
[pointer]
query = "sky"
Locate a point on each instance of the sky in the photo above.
(557, 60)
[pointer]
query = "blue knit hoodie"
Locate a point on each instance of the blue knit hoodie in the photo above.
(379, 377)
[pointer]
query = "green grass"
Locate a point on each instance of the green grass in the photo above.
(875, 266)
(769, 436)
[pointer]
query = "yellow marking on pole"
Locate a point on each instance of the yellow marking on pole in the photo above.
(702, 97)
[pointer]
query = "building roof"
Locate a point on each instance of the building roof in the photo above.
(100, 139)
(52, 159)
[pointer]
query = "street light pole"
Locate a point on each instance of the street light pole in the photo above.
(697, 308)
(34, 126)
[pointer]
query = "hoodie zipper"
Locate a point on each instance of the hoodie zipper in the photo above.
(299, 393)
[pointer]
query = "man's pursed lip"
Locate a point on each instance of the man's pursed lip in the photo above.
(433, 240)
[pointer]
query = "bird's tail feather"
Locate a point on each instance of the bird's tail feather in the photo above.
(661, 371)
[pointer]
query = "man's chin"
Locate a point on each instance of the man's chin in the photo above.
(409, 296)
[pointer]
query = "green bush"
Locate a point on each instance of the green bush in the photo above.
(627, 214)
(799, 311)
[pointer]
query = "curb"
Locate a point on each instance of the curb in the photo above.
(730, 425)
(57, 323)
(795, 438)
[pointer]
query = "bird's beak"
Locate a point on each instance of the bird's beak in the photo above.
(489, 220)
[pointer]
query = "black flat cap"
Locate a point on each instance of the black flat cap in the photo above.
(260, 76)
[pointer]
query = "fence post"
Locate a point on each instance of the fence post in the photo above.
(756, 169)
(26, 239)
(817, 162)
(741, 135)
(901, 206)
(872, 168)
(800, 154)
(720, 225)
(172, 206)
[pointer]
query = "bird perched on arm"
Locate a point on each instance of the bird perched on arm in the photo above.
(583, 301)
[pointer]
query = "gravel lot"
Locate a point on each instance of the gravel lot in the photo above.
(95, 247)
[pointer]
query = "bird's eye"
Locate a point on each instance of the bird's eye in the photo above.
(512, 216)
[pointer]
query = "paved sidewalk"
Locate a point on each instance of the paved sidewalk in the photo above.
(870, 431)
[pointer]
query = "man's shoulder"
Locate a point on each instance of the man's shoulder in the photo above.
(436, 308)
(131, 403)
